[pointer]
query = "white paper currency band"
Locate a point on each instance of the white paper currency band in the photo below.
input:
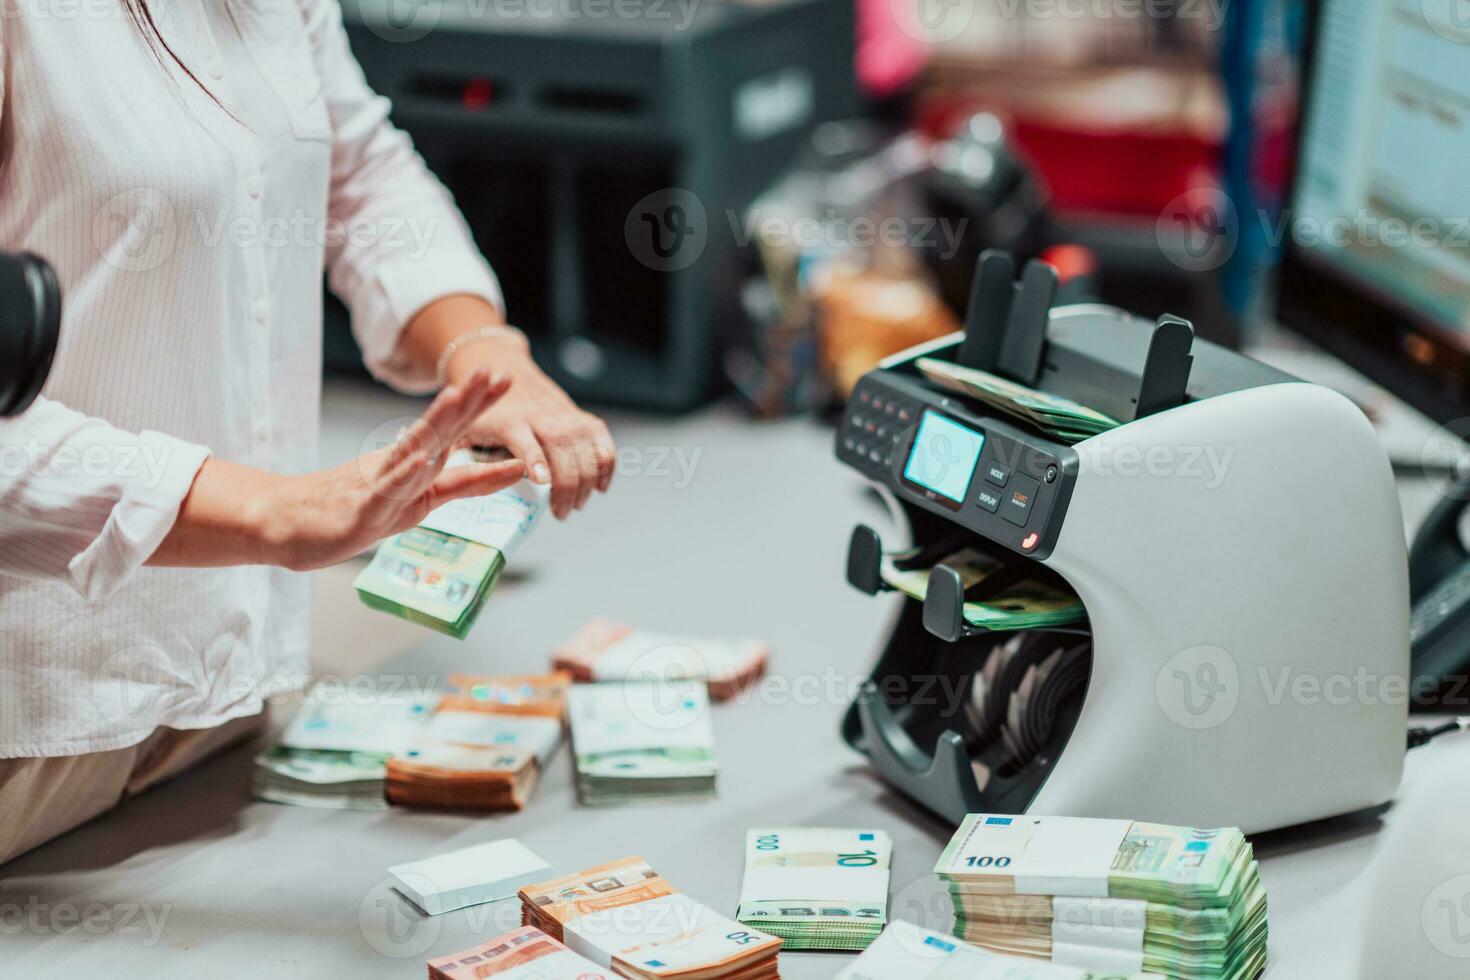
(500, 520)
(1111, 923)
(1069, 857)
(1096, 959)
(815, 884)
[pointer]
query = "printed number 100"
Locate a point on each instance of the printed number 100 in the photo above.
(988, 862)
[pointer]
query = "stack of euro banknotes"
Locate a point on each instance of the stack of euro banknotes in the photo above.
(642, 742)
(909, 952)
(625, 917)
(439, 573)
(1027, 604)
(816, 887)
(1109, 895)
(1062, 418)
(606, 650)
(482, 745)
(903, 952)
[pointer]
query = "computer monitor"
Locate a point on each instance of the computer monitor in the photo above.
(1376, 260)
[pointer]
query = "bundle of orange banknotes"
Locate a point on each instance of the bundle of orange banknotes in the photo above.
(484, 747)
(604, 650)
(624, 916)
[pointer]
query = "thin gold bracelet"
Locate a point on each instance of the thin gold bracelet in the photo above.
(465, 339)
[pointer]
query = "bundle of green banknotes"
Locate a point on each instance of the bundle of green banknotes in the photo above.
(1027, 604)
(816, 887)
(1063, 418)
(1112, 895)
(439, 573)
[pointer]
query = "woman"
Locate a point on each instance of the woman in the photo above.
(189, 168)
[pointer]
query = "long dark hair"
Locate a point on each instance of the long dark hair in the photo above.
(142, 19)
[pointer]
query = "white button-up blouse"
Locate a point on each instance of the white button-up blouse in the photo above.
(189, 237)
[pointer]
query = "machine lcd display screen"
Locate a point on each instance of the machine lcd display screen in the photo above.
(944, 456)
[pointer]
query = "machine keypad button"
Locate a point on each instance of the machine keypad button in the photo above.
(988, 499)
(1020, 499)
(997, 474)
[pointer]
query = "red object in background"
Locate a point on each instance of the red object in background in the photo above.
(477, 94)
(888, 57)
(1121, 170)
(1071, 261)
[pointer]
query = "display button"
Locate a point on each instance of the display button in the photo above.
(988, 498)
(997, 474)
(1019, 500)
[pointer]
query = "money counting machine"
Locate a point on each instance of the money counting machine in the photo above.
(1235, 541)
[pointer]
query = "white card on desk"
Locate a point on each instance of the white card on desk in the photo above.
(473, 876)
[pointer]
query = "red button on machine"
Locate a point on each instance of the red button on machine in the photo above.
(1030, 540)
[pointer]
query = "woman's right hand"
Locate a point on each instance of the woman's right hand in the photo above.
(235, 515)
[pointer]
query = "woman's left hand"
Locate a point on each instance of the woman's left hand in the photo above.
(540, 425)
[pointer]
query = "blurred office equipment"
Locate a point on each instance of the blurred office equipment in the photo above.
(1123, 119)
(603, 154)
(1376, 265)
(30, 326)
(866, 248)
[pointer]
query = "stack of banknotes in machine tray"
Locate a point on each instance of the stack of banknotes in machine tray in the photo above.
(909, 952)
(439, 573)
(816, 887)
(642, 742)
(482, 746)
(604, 650)
(1109, 895)
(1063, 418)
(1021, 605)
(624, 916)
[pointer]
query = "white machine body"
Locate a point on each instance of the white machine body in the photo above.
(1244, 567)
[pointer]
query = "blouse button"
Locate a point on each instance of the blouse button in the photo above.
(253, 185)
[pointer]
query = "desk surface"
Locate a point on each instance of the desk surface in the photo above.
(716, 524)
